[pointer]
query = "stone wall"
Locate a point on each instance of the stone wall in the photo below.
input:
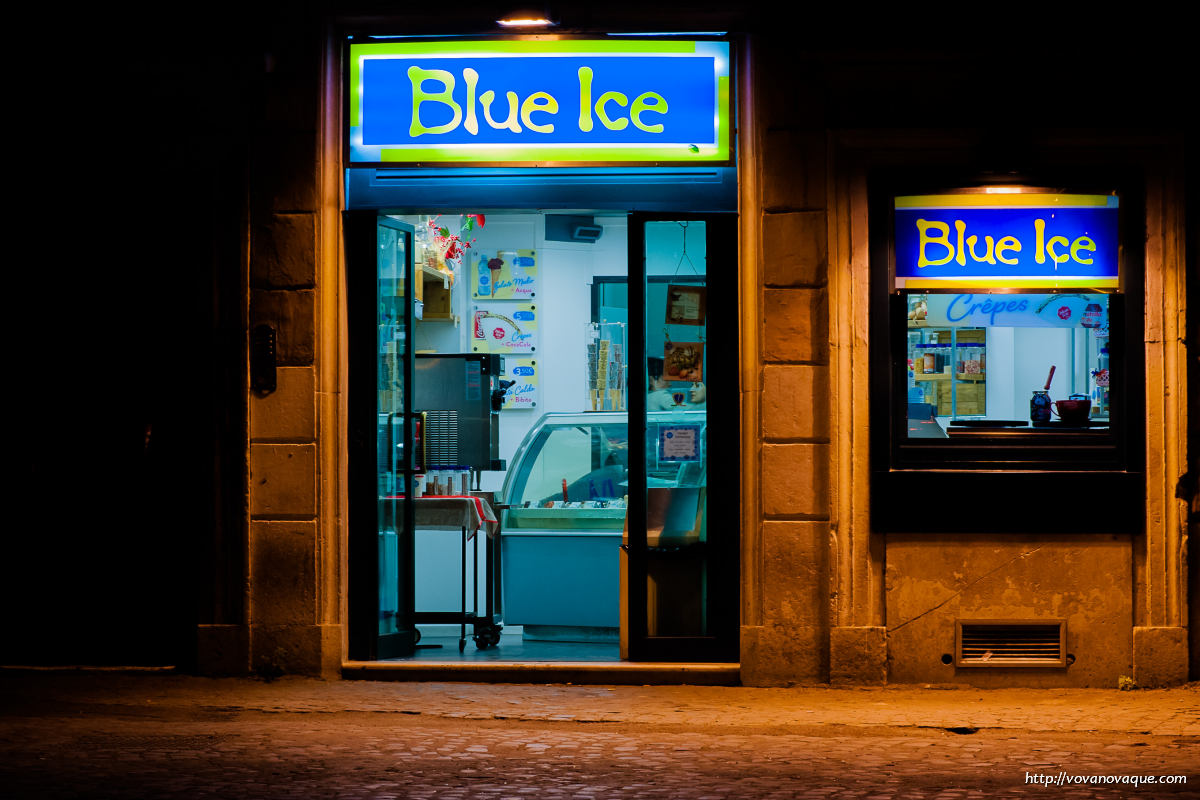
(289, 629)
(826, 592)
(785, 637)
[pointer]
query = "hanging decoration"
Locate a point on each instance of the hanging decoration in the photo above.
(682, 361)
(453, 246)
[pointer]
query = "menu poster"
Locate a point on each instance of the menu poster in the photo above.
(508, 329)
(679, 443)
(686, 304)
(505, 275)
(523, 373)
(683, 361)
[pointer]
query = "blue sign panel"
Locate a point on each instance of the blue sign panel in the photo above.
(1013, 241)
(532, 100)
(500, 101)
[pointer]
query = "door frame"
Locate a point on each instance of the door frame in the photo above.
(362, 305)
(724, 509)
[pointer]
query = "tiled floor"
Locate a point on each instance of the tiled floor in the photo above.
(513, 647)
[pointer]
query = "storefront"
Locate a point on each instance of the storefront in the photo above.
(1008, 417)
(847, 477)
(1017, 442)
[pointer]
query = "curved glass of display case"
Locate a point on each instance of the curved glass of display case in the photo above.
(571, 471)
(567, 493)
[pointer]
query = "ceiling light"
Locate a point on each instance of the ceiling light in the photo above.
(525, 18)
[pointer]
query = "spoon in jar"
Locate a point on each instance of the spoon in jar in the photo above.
(1049, 378)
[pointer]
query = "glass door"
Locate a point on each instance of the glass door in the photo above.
(680, 549)
(380, 302)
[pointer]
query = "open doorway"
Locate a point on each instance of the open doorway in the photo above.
(526, 365)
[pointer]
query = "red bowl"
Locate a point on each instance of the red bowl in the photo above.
(1073, 410)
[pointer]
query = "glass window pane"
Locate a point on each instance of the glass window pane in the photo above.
(391, 259)
(1007, 361)
(677, 560)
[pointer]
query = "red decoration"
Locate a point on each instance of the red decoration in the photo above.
(453, 246)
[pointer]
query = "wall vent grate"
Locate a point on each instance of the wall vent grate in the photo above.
(1011, 643)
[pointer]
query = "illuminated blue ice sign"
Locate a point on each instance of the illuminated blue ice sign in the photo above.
(1007, 241)
(565, 100)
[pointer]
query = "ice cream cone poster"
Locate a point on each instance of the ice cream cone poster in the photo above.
(683, 361)
(523, 372)
(508, 329)
(506, 275)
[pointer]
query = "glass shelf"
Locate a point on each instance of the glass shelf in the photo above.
(955, 386)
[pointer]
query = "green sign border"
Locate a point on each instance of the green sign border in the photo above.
(538, 154)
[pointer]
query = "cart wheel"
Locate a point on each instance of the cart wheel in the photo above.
(418, 639)
(487, 637)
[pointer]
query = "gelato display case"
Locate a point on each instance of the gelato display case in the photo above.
(566, 495)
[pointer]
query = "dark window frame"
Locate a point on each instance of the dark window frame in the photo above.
(996, 483)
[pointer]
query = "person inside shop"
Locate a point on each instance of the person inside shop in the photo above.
(662, 398)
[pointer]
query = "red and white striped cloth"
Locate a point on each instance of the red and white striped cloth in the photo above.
(453, 512)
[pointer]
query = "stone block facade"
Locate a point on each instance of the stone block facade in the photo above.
(858, 656)
(812, 158)
(1160, 656)
(934, 580)
(786, 635)
(289, 626)
(821, 591)
(795, 401)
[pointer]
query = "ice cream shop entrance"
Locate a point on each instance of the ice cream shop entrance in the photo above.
(534, 355)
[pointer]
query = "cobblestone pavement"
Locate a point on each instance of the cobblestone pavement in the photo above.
(118, 735)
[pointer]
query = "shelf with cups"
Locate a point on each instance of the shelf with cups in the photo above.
(947, 368)
(973, 377)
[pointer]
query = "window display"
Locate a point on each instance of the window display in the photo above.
(1005, 299)
(1008, 360)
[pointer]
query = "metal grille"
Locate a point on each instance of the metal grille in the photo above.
(441, 438)
(1011, 643)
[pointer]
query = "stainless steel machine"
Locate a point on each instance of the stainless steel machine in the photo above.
(459, 396)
